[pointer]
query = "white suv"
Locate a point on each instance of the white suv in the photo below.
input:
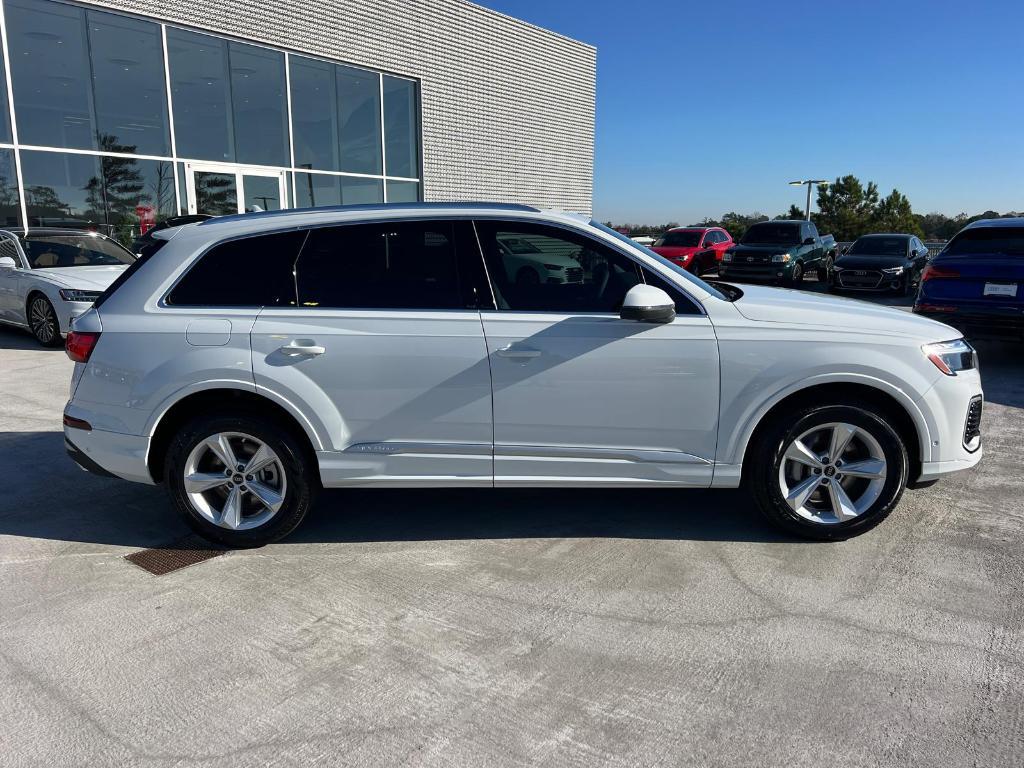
(254, 359)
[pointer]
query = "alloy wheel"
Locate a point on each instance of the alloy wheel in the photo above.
(832, 473)
(235, 481)
(42, 320)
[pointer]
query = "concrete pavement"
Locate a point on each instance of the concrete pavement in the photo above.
(494, 628)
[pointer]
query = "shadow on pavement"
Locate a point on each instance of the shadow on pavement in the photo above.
(66, 504)
(16, 338)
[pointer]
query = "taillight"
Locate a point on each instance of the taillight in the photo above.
(80, 344)
(938, 273)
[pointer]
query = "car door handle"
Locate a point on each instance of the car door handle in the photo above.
(302, 348)
(517, 352)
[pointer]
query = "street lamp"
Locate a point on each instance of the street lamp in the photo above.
(809, 183)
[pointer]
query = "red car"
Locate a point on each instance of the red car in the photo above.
(697, 249)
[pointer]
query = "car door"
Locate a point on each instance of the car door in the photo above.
(385, 351)
(582, 396)
(707, 253)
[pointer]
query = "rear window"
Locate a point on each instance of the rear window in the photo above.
(1007, 241)
(250, 272)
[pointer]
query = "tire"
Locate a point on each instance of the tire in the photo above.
(291, 479)
(42, 321)
(864, 500)
(796, 278)
(824, 270)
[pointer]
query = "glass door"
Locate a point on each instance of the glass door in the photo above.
(220, 190)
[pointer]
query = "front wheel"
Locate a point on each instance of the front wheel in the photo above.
(824, 270)
(42, 320)
(828, 472)
(241, 481)
(796, 276)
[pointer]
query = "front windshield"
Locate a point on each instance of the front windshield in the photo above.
(879, 246)
(678, 240)
(772, 234)
(73, 250)
(677, 270)
(1007, 241)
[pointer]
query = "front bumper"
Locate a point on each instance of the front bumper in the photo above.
(735, 271)
(948, 405)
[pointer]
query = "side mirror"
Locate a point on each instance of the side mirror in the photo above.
(6, 262)
(808, 241)
(648, 304)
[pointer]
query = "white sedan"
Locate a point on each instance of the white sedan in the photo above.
(48, 276)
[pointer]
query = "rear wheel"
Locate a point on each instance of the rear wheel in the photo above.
(241, 481)
(42, 320)
(828, 472)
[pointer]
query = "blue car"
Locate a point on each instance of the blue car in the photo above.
(976, 283)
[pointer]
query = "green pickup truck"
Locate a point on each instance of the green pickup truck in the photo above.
(779, 251)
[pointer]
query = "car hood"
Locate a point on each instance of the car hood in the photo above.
(92, 278)
(854, 261)
(779, 305)
(675, 251)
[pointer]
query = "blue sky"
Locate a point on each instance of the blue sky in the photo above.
(704, 108)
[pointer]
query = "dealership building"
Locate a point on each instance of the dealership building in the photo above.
(122, 113)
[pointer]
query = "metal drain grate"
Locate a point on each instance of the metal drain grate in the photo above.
(182, 553)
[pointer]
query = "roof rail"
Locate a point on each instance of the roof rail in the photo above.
(368, 207)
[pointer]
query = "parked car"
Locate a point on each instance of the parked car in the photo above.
(883, 262)
(523, 267)
(151, 239)
(47, 276)
(779, 251)
(976, 283)
(390, 346)
(696, 249)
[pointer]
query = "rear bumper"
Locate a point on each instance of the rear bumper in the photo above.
(978, 323)
(109, 453)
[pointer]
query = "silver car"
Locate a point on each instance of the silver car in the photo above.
(255, 359)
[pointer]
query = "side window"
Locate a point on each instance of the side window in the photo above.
(812, 229)
(9, 249)
(393, 265)
(710, 238)
(249, 272)
(546, 269)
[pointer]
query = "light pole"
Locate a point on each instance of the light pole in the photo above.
(810, 183)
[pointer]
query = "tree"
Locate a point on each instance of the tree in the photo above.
(846, 208)
(893, 214)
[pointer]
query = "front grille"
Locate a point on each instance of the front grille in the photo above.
(740, 259)
(859, 278)
(972, 427)
(574, 275)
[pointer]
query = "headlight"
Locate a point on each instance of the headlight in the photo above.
(73, 294)
(781, 257)
(726, 257)
(951, 356)
(554, 267)
(893, 271)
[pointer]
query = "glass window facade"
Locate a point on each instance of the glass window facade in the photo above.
(98, 147)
